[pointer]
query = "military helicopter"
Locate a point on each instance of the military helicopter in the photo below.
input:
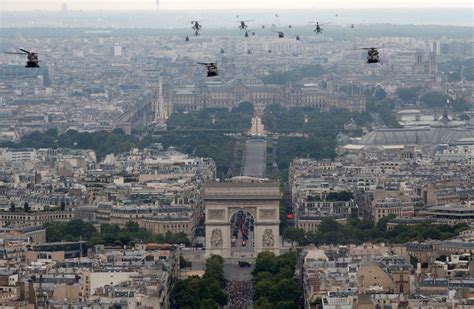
(211, 68)
(196, 26)
(297, 37)
(243, 25)
(222, 51)
(372, 54)
(249, 51)
(280, 34)
(186, 39)
(31, 58)
(247, 33)
(318, 29)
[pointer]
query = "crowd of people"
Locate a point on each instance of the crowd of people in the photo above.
(240, 294)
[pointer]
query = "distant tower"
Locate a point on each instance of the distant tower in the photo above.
(436, 48)
(418, 67)
(419, 58)
(433, 63)
(157, 5)
(117, 51)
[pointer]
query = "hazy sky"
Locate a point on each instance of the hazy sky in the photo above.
(13, 5)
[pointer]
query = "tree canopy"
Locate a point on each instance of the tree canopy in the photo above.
(239, 119)
(460, 105)
(275, 283)
(110, 234)
(206, 292)
(408, 94)
(380, 94)
(384, 108)
(434, 99)
(320, 130)
(358, 231)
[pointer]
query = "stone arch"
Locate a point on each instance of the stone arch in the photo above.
(222, 201)
(233, 211)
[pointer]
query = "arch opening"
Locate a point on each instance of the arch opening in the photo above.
(242, 234)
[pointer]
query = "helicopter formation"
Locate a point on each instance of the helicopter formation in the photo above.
(32, 60)
(243, 25)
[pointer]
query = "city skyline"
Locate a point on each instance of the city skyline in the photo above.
(212, 154)
(120, 5)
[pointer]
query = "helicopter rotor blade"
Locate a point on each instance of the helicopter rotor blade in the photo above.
(13, 53)
(25, 51)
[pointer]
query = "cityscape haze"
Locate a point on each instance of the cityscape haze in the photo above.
(236, 154)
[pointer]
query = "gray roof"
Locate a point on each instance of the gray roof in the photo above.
(458, 244)
(419, 136)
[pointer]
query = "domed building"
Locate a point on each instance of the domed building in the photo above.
(408, 142)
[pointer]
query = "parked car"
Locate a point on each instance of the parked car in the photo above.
(244, 264)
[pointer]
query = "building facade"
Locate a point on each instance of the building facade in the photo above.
(216, 95)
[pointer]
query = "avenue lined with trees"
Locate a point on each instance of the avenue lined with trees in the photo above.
(110, 234)
(357, 231)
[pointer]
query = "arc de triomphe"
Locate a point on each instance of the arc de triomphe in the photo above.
(224, 199)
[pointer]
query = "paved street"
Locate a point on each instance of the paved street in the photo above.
(243, 251)
(235, 272)
(254, 163)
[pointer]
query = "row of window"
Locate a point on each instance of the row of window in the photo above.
(29, 218)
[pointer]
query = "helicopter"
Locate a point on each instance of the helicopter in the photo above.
(222, 51)
(297, 37)
(196, 26)
(211, 68)
(318, 28)
(248, 32)
(186, 39)
(31, 58)
(243, 25)
(280, 34)
(372, 54)
(249, 51)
